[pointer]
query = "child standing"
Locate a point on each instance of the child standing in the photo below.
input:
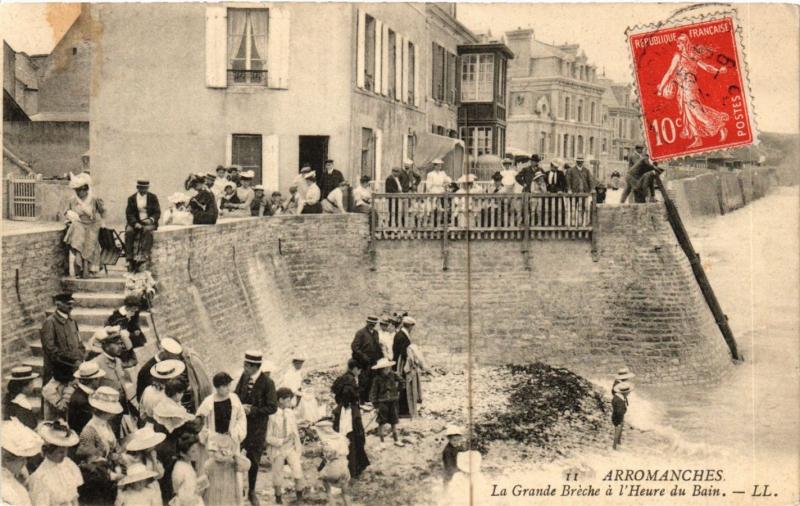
(135, 489)
(187, 485)
(455, 444)
(284, 445)
(384, 394)
(333, 470)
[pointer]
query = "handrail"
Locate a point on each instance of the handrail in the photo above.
(482, 215)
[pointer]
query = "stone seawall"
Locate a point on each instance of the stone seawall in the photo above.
(305, 283)
(720, 192)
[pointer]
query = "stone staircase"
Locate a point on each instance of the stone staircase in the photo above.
(95, 300)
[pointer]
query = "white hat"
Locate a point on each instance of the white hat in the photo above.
(167, 369)
(137, 472)
(106, 399)
(383, 363)
(309, 175)
(144, 439)
(58, 433)
(437, 161)
(407, 320)
(298, 356)
(469, 462)
(178, 197)
(556, 162)
(258, 187)
(171, 346)
(624, 374)
(19, 439)
(107, 333)
(408, 161)
(454, 430)
(82, 179)
(254, 356)
(22, 373)
(467, 178)
(89, 370)
(248, 174)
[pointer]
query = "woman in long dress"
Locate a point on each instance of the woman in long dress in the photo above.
(408, 368)
(98, 453)
(346, 393)
(19, 444)
(698, 120)
(225, 427)
(56, 481)
(187, 484)
(84, 213)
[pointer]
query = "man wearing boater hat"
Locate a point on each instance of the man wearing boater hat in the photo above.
(141, 215)
(619, 406)
(366, 347)
(61, 341)
(259, 400)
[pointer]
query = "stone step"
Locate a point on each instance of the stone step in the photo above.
(111, 300)
(102, 284)
(94, 316)
(35, 363)
(87, 331)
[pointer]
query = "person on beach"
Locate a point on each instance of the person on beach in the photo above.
(347, 417)
(384, 394)
(619, 406)
(284, 446)
(623, 374)
(455, 444)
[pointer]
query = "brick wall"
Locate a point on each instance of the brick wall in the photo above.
(37, 260)
(304, 283)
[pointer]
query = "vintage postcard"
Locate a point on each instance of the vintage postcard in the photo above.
(400, 253)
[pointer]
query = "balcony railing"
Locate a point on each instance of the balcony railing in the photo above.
(483, 216)
(247, 77)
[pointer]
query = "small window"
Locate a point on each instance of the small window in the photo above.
(369, 53)
(566, 108)
(477, 78)
(247, 46)
(411, 71)
(74, 50)
(392, 60)
(246, 152)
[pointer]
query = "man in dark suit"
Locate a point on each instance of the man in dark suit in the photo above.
(61, 340)
(394, 183)
(555, 179)
(79, 412)
(331, 178)
(141, 214)
(525, 176)
(367, 351)
(127, 318)
(630, 180)
(257, 393)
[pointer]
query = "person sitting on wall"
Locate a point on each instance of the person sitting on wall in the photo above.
(331, 178)
(362, 196)
(233, 175)
(178, 214)
(142, 214)
(218, 188)
(259, 206)
(311, 202)
(245, 191)
(276, 204)
(291, 205)
(203, 205)
(334, 202)
(230, 199)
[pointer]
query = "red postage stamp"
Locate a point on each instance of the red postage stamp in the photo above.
(692, 84)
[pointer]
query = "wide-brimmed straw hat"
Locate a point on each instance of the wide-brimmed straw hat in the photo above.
(407, 320)
(22, 373)
(623, 387)
(58, 433)
(171, 346)
(383, 363)
(167, 369)
(80, 180)
(89, 370)
(178, 197)
(624, 374)
(454, 430)
(144, 439)
(467, 178)
(19, 439)
(469, 462)
(137, 472)
(106, 399)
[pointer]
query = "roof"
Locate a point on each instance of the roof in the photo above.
(544, 50)
(61, 116)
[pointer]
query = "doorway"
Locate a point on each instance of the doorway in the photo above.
(313, 151)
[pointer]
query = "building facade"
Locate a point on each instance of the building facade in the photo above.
(556, 102)
(265, 86)
(625, 121)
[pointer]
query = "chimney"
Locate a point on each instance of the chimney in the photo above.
(520, 42)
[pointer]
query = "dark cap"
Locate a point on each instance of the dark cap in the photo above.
(638, 146)
(329, 160)
(535, 158)
(64, 297)
(142, 182)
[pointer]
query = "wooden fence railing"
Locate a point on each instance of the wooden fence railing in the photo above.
(483, 216)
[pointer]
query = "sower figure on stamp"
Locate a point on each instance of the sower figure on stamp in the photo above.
(142, 214)
(257, 393)
(366, 349)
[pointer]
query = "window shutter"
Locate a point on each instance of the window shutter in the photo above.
(398, 67)
(378, 79)
(216, 47)
(404, 96)
(270, 162)
(361, 48)
(405, 151)
(417, 70)
(378, 153)
(229, 150)
(278, 48)
(385, 61)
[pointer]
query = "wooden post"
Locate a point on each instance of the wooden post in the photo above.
(526, 230)
(373, 221)
(699, 274)
(445, 232)
(593, 222)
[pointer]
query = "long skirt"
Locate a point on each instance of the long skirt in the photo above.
(357, 459)
(410, 394)
(223, 489)
(84, 239)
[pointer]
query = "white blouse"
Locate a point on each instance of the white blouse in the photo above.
(56, 484)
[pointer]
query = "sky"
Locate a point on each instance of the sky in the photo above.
(771, 38)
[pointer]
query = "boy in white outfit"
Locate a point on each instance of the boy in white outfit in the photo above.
(284, 446)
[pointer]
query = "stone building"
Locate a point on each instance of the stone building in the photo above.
(625, 121)
(556, 102)
(267, 87)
